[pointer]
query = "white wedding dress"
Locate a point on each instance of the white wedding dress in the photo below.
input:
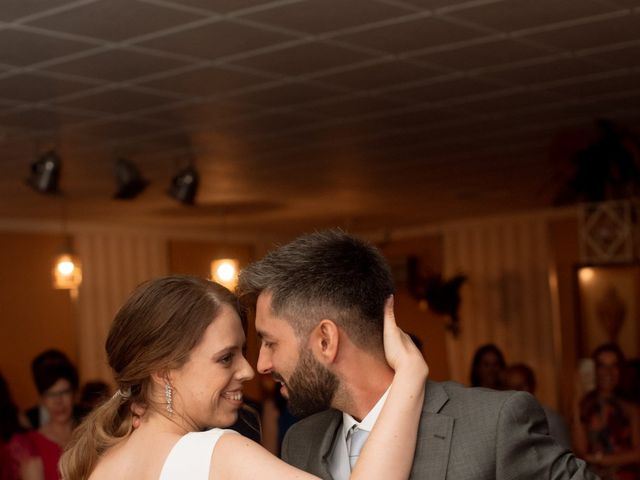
(190, 457)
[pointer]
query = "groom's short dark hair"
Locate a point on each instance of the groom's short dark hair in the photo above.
(328, 274)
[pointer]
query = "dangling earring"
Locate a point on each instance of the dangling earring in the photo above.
(168, 396)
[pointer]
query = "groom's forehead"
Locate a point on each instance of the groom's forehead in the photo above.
(266, 318)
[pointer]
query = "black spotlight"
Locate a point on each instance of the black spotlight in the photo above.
(45, 173)
(129, 181)
(184, 185)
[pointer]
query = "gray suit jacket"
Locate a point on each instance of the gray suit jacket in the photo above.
(465, 434)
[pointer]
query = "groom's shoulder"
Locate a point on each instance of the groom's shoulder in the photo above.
(453, 397)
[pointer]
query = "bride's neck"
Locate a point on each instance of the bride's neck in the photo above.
(160, 422)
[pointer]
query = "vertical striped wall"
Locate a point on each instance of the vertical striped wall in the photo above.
(506, 299)
(113, 264)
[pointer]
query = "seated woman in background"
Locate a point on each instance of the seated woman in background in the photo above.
(38, 414)
(39, 451)
(176, 348)
(487, 367)
(606, 427)
(10, 424)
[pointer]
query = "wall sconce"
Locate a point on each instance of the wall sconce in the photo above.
(67, 271)
(441, 296)
(225, 272)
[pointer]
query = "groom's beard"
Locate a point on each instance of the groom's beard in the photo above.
(311, 386)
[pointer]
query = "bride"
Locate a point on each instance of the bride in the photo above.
(176, 348)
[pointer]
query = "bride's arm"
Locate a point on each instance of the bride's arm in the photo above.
(388, 452)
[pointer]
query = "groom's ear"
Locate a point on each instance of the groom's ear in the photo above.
(325, 341)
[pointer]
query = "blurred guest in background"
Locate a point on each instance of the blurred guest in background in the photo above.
(606, 428)
(487, 368)
(38, 414)
(40, 450)
(521, 377)
(9, 425)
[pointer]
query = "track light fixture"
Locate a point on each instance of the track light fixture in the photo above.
(128, 179)
(45, 173)
(184, 185)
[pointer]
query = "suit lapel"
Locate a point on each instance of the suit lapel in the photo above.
(434, 437)
(326, 444)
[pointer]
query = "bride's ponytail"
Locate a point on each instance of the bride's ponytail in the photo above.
(155, 330)
(102, 428)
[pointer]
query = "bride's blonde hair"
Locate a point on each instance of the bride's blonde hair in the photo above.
(155, 330)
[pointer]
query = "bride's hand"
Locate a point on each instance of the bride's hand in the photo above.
(399, 349)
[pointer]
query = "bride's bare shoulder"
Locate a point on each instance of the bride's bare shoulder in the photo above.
(239, 458)
(133, 459)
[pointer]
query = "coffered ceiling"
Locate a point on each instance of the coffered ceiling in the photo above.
(303, 114)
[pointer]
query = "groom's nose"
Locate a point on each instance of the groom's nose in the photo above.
(264, 361)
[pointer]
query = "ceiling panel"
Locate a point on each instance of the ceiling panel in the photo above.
(217, 39)
(117, 65)
(443, 4)
(265, 125)
(412, 117)
(229, 6)
(303, 59)
(485, 55)
(40, 119)
(115, 20)
(416, 34)
(540, 72)
(523, 14)
(31, 87)
(383, 74)
(626, 54)
(357, 106)
(510, 103)
(116, 101)
(441, 90)
(199, 112)
(21, 48)
(592, 34)
(207, 81)
(16, 9)
(319, 16)
(285, 96)
(613, 83)
(118, 129)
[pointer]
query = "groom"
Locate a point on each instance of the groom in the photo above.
(319, 304)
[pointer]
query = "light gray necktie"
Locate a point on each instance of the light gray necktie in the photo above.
(358, 437)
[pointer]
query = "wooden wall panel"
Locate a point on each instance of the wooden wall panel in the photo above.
(506, 300)
(33, 315)
(113, 265)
